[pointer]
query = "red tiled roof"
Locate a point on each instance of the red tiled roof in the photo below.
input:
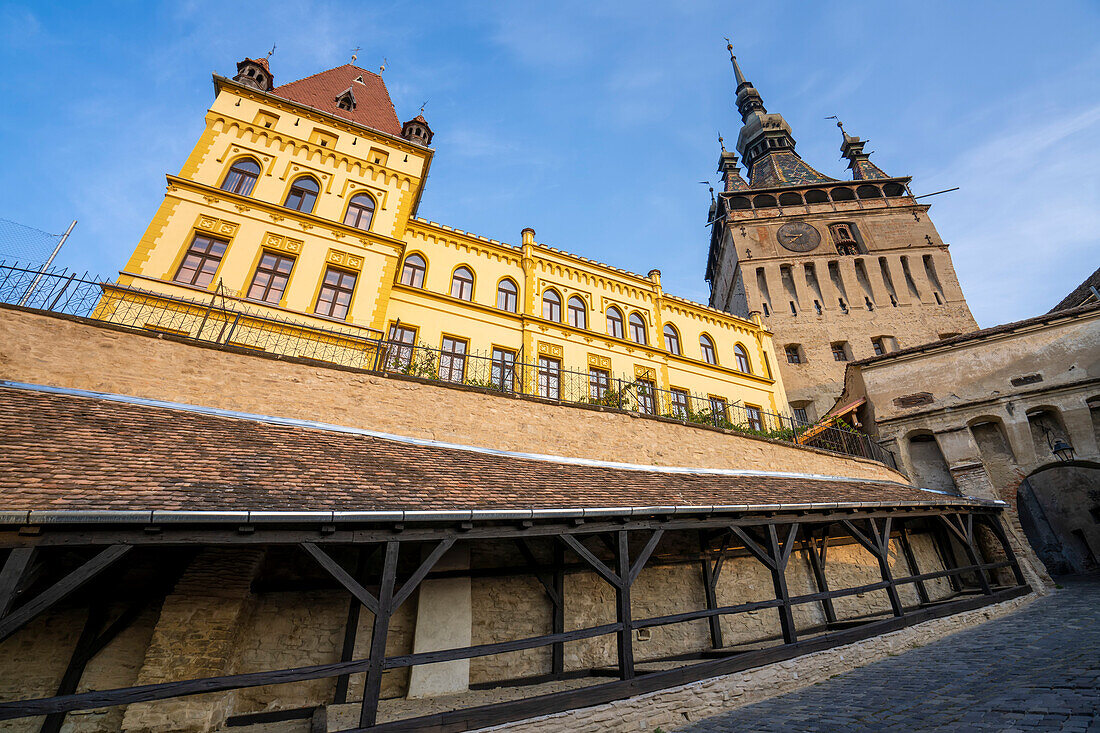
(62, 452)
(373, 107)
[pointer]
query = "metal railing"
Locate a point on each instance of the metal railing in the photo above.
(223, 318)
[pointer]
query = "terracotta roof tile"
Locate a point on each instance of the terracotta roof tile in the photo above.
(373, 107)
(63, 452)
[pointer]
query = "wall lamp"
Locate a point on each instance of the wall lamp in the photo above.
(1060, 447)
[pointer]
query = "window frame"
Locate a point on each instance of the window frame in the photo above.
(719, 406)
(237, 186)
(647, 399)
(554, 305)
(680, 401)
(203, 257)
(599, 382)
(640, 325)
(616, 325)
(672, 341)
(400, 352)
(273, 274)
(706, 343)
(453, 352)
(502, 370)
(416, 269)
(294, 187)
(549, 369)
(840, 350)
(754, 415)
(741, 358)
(338, 288)
(572, 310)
(878, 345)
(360, 209)
(513, 295)
(462, 282)
(793, 352)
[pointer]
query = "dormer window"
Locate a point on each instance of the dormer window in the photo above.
(346, 100)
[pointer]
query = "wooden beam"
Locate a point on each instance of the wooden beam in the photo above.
(756, 550)
(779, 581)
(995, 526)
(966, 539)
(557, 622)
(544, 579)
(425, 567)
(17, 619)
(372, 686)
(14, 570)
(881, 535)
(343, 577)
(911, 562)
(817, 566)
(351, 629)
(710, 583)
(625, 635)
(644, 555)
(594, 562)
(868, 544)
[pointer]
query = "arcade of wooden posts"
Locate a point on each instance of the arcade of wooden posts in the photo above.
(769, 537)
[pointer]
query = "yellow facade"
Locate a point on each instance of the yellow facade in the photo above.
(289, 140)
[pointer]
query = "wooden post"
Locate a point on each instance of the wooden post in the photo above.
(965, 532)
(911, 561)
(351, 630)
(994, 523)
(710, 584)
(882, 539)
(15, 568)
(372, 687)
(78, 661)
(779, 580)
(942, 542)
(622, 606)
(817, 565)
(557, 651)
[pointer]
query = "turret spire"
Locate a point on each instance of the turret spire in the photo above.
(733, 60)
(859, 162)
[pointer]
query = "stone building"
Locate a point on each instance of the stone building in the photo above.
(1010, 412)
(839, 270)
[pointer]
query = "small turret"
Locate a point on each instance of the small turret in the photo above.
(731, 172)
(416, 130)
(859, 162)
(254, 73)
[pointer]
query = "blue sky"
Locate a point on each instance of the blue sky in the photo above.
(593, 122)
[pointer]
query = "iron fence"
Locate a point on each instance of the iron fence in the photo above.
(224, 318)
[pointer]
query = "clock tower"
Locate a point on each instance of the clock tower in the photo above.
(839, 270)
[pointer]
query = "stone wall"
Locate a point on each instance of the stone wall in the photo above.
(68, 353)
(675, 707)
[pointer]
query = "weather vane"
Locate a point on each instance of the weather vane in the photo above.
(271, 52)
(355, 54)
(721, 142)
(425, 105)
(838, 122)
(382, 68)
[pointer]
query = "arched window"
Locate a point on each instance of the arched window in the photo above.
(507, 295)
(241, 177)
(551, 306)
(707, 347)
(614, 322)
(360, 211)
(413, 271)
(462, 284)
(578, 312)
(303, 195)
(672, 339)
(742, 358)
(637, 329)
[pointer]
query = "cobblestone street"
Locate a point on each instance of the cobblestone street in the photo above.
(1038, 669)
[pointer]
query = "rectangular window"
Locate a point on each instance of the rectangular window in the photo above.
(201, 261)
(504, 369)
(755, 418)
(271, 277)
(598, 382)
(800, 416)
(452, 360)
(680, 403)
(401, 347)
(793, 354)
(879, 346)
(647, 392)
(840, 351)
(334, 300)
(549, 378)
(718, 409)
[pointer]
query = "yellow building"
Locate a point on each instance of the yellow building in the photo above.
(292, 227)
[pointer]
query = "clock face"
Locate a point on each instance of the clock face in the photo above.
(798, 236)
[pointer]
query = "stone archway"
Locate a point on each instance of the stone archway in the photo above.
(1059, 509)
